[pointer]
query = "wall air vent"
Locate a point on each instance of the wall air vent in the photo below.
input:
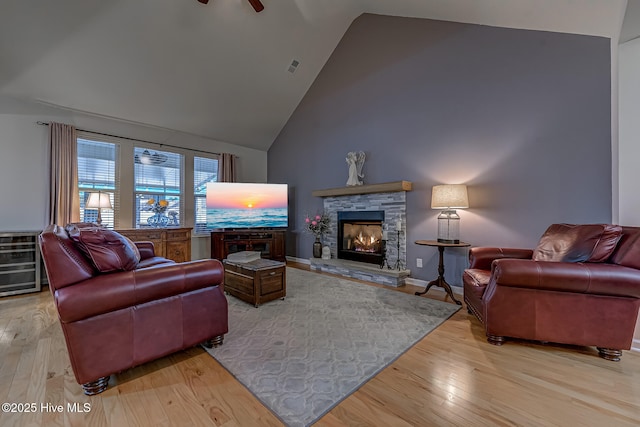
(294, 66)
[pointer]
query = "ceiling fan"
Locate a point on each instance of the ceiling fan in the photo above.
(257, 4)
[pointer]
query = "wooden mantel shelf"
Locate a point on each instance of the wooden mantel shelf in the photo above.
(387, 187)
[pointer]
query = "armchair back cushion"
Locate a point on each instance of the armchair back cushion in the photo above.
(578, 243)
(627, 252)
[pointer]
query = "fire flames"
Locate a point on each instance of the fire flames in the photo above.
(363, 243)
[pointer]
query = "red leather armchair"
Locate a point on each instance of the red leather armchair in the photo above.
(578, 303)
(117, 320)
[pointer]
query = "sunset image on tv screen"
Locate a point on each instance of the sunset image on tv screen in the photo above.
(244, 205)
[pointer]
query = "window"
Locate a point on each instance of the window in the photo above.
(157, 176)
(204, 170)
(97, 172)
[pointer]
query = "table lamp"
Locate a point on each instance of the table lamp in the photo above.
(449, 197)
(99, 200)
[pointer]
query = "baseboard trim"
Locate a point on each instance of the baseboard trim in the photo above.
(635, 345)
(299, 260)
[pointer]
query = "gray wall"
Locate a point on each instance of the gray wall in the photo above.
(522, 117)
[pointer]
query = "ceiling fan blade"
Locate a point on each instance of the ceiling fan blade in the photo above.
(257, 5)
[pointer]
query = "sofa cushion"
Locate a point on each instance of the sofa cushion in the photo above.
(578, 243)
(154, 261)
(108, 251)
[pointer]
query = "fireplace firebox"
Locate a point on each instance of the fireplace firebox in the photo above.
(360, 236)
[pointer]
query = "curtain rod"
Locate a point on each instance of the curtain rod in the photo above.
(135, 139)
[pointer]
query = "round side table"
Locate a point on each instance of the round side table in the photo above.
(440, 280)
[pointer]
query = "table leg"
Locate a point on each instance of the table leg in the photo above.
(440, 282)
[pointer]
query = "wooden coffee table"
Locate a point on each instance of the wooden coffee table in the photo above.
(255, 282)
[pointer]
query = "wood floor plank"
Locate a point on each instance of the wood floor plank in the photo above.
(451, 377)
(36, 388)
(54, 393)
(226, 399)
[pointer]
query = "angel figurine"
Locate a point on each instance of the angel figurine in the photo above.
(355, 162)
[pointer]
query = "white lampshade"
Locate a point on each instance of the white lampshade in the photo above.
(449, 196)
(99, 200)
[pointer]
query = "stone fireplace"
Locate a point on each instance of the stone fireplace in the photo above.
(358, 215)
(360, 236)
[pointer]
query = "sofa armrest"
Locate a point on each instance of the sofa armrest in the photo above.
(110, 292)
(146, 249)
(587, 278)
(482, 257)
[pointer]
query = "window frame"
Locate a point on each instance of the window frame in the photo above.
(124, 198)
(198, 228)
(138, 196)
(109, 217)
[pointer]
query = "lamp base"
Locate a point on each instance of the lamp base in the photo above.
(449, 241)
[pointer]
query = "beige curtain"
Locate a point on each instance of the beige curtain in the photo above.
(227, 168)
(64, 200)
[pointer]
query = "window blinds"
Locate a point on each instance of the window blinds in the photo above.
(97, 172)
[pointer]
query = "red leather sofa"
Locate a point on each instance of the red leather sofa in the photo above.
(580, 286)
(121, 306)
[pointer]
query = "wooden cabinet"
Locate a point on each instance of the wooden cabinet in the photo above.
(270, 243)
(170, 242)
(19, 263)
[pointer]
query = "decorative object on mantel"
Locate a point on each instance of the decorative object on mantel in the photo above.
(449, 197)
(158, 219)
(317, 225)
(355, 160)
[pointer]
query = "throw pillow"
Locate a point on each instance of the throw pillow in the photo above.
(577, 243)
(108, 250)
(134, 248)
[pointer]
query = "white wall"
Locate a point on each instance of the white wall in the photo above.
(24, 173)
(629, 141)
(629, 132)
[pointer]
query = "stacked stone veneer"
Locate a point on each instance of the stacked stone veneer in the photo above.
(361, 270)
(394, 206)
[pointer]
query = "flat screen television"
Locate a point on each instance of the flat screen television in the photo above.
(235, 205)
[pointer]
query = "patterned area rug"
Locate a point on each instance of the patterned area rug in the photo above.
(301, 356)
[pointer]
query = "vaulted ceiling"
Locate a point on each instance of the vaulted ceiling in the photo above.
(221, 70)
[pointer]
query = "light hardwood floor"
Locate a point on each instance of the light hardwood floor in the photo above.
(451, 377)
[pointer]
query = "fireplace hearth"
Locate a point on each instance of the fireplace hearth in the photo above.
(360, 236)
